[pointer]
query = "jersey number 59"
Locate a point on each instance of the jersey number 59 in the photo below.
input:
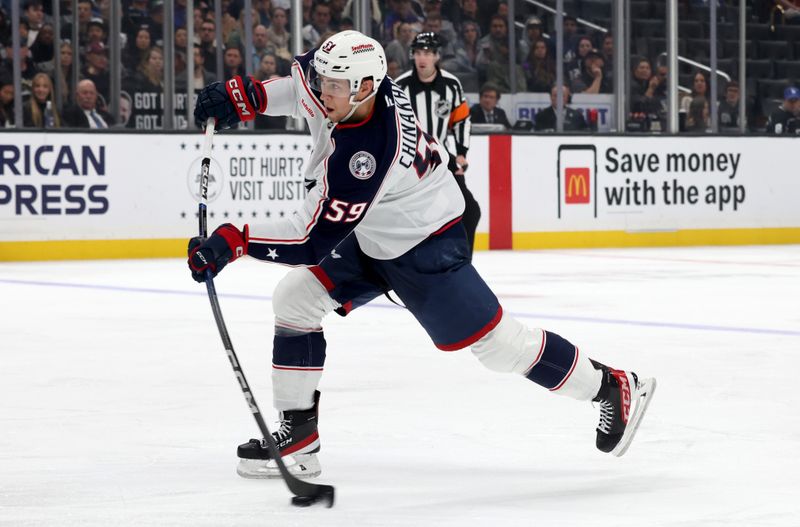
(342, 211)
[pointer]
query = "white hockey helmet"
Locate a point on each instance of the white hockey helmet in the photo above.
(352, 56)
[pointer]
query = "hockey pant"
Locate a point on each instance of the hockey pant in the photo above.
(301, 301)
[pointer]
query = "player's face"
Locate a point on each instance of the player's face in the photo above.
(335, 97)
(425, 62)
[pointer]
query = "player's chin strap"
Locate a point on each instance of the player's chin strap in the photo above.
(356, 104)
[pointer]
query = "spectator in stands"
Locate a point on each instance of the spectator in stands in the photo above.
(263, 8)
(35, 111)
(487, 111)
(34, 16)
(201, 77)
(607, 50)
(6, 101)
(66, 70)
(433, 24)
(136, 47)
(85, 113)
(157, 28)
(150, 72)
(346, 24)
(260, 43)
(181, 39)
(27, 68)
(570, 39)
(23, 31)
(540, 69)
(592, 78)
(643, 88)
(533, 32)
(84, 17)
(208, 43)
(398, 11)
(574, 68)
(199, 15)
(95, 31)
(393, 69)
(307, 5)
(469, 13)
(233, 62)
(146, 88)
(434, 8)
(699, 89)
(399, 48)
(136, 16)
(337, 13)
(573, 119)
(267, 67)
(277, 34)
(728, 110)
(179, 14)
(5, 26)
(784, 120)
(465, 51)
(125, 108)
(493, 58)
(96, 68)
(42, 47)
(697, 119)
(320, 24)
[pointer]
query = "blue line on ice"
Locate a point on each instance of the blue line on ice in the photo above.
(571, 318)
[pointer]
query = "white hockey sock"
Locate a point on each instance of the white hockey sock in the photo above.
(584, 381)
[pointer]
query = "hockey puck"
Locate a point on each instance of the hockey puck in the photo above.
(324, 495)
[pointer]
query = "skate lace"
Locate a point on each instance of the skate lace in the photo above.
(606, 416)
(281, 433)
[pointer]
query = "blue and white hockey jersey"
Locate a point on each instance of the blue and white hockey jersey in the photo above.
(382, 178)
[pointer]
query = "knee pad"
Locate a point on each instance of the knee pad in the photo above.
(300, 302)
(510, 347)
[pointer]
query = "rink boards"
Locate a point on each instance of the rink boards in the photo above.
(134, 195)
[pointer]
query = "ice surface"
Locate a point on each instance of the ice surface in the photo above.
(118, 405)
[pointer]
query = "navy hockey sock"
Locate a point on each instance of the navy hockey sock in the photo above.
(556, 363)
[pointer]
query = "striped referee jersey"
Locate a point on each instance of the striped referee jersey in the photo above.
(440, 106)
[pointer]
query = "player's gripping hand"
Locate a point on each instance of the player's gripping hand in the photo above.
(226, 244)
(237, 99)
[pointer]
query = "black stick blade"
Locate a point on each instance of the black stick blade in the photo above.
(324, 494)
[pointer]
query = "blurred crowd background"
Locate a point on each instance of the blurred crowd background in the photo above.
(92, 64)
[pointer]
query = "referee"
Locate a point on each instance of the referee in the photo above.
(440, 107)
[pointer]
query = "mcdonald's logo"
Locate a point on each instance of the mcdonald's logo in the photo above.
(577, 186)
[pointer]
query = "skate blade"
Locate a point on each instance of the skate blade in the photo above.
(644, 394)
(303, 466)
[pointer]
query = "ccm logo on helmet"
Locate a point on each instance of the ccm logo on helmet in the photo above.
(238, 98)
(362, 48)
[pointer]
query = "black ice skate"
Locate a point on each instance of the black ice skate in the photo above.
(623, 401)
(298, 441)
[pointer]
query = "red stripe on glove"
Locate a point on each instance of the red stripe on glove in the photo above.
(239, 98)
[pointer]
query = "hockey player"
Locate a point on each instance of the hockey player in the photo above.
(383, 213)
(441, 109)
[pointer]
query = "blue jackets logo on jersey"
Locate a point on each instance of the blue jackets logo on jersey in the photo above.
(362, 165)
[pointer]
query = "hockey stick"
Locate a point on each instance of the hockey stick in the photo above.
(305, 493)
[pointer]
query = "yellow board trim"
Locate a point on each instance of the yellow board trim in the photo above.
(601, 239)
(176, 247)
(92, 249)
